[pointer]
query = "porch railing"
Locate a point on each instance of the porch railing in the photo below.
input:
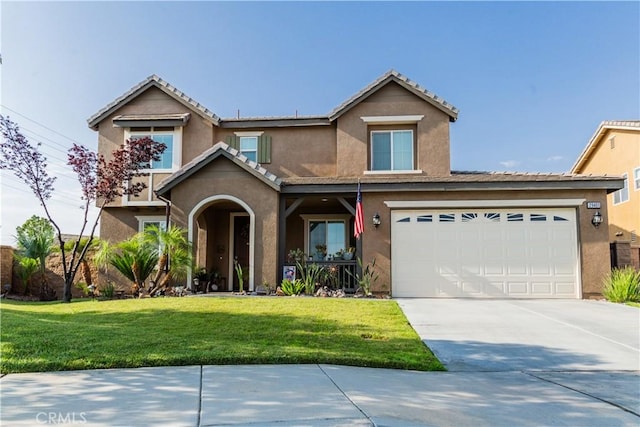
(337, 274)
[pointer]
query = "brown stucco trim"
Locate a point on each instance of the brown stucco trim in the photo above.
(274, 122)
(472, 182)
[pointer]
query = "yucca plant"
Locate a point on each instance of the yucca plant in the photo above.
(622, 285)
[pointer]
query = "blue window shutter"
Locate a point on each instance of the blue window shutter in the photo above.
(264, 149)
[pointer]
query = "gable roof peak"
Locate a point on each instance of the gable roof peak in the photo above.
(138, 89)
(405, 82)
(630, 125)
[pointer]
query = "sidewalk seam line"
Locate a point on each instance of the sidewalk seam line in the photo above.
(199, 421)
(347, 397)
(585, 394)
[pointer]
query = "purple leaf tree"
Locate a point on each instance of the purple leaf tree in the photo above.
(102, 181)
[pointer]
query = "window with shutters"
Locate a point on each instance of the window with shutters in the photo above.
(255, 146)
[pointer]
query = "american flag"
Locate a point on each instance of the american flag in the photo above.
(358, 227)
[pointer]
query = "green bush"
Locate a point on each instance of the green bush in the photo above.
(295, 287)
(622, 285)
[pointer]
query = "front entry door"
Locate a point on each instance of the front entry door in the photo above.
(241, 224)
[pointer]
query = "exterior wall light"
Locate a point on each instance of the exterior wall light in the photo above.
(597, 219)
(376, 220)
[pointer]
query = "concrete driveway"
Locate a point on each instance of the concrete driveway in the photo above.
(528, 335)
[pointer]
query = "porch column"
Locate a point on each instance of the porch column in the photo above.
(282, 238)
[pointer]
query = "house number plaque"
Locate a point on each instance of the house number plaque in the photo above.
(593, 205)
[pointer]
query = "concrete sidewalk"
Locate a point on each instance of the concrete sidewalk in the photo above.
(317, 395)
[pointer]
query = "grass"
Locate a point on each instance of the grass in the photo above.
(88, 334)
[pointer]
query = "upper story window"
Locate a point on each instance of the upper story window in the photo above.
(636, 178)
(168, 136)
(392, 150)
(249, 147)
(255, 146)
(622, 195)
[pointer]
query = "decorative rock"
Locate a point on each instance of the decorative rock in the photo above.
(279, 291)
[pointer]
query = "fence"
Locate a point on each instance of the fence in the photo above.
(338, 274)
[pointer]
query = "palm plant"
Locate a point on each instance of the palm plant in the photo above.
(85, 270)
(34, 239)
(26, 268)
(174, 251)
(134, 258)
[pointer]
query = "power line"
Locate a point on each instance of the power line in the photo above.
(39, 124)
(54, 192)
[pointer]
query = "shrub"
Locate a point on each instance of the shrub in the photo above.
(622, 285)
(108, 290)
(289, 287)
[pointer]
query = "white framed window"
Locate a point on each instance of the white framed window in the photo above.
(622, 195)
(636, 178)
(169, 136)
(249, 147)
(392, 150)
(331, 230)
(146, 221)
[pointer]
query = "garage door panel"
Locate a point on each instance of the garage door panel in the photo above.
(485, 253)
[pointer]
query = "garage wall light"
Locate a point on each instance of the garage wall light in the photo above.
(597, 219)
(376, 220)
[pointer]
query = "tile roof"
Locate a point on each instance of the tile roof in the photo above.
(136, 90)
(393, 75)
(198, 108)
(218, 150)
(465, 178)
(593, 142)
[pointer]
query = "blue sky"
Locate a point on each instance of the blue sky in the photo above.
(532, 80)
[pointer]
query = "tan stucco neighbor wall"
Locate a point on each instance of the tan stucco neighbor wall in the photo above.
(593, 242)
(392, 100)
(618, 153)
(223, 178)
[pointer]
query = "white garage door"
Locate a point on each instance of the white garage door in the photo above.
(513, 253)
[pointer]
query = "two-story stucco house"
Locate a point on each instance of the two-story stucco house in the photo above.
(253, 189)
(614, 149)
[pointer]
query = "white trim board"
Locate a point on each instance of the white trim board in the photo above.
(404, 204)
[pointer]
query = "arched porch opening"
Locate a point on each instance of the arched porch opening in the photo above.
(222, 230)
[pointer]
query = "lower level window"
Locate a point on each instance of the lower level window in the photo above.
(329, 234)
(144, 222)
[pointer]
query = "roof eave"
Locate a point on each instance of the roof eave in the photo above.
(94, 121)
(407, 84)
(219, 150)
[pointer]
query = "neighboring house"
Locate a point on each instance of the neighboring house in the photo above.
(253, 189)
(614, 149)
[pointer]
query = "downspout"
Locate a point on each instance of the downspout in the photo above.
(167, 217)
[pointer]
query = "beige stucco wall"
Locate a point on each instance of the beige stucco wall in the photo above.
(432, 154)
(197, 134)
(623, 158)
(593, 242)
(222, 177)
(301, 151)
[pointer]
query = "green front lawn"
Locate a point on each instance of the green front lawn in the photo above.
(197, 331)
